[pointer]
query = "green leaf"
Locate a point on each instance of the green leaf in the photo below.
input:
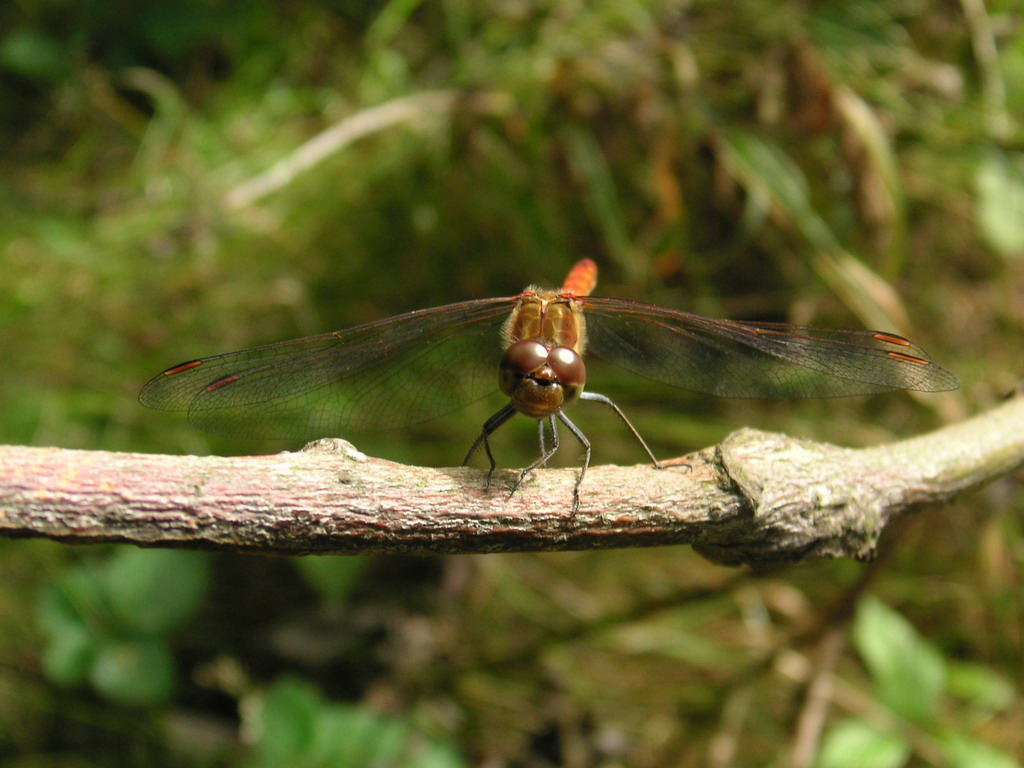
(135, 672)
(393, 16)
(85, 615)
(1000, 182)
(69, 655)
(350, 736)
(863, 121)
(34, 54)
(909, 673)
(155, 590)
(433, 754)
(300, 728)
(963, 751)
(776, 182)
(333, 577)
(73, 613)
(978, 685)
(74, 601)
(288, 722)
(857, 744)
(603, 200)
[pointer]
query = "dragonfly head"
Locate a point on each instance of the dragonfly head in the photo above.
(541, 380)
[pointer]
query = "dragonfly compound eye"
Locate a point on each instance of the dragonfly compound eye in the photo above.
(570, 370)
(520, 360)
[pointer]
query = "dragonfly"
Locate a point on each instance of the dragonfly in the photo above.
(403, 370)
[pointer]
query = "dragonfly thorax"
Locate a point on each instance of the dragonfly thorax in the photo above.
(541, 379)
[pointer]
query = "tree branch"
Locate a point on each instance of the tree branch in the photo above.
(757, 498)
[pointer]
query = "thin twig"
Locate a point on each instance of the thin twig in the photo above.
(757, 498)
(818, 699)
(405, 109)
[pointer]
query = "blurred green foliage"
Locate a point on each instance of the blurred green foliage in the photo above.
(108, 624)
(911, 679)
(842, 163)
(333, 578)
(299, 728)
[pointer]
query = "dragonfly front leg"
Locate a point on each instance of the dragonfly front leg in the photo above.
(489, 428)
(595, 397)
(578, 434)
(544, 456)
(543, 444)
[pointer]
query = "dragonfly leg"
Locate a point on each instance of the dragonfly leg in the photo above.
(490, 426)
(543, 444)
(578, 434)
(544, 456)
(593, 396)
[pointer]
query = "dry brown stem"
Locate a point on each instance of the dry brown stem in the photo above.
(756, 498)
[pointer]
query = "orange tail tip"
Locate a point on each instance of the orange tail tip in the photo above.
(581, 279)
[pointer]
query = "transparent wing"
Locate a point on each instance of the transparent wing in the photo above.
(739, 359)
(381, 375)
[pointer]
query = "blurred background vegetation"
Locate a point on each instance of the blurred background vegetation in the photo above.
(843, 163)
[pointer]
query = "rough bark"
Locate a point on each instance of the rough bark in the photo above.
(756, 498)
